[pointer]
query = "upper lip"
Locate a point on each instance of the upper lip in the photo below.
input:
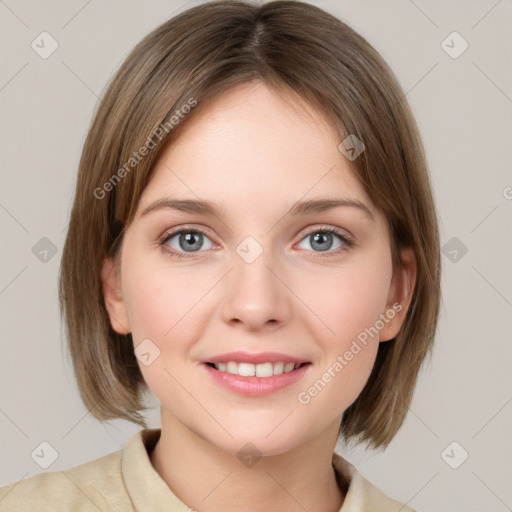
(261, 357)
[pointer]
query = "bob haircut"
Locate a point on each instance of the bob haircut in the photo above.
(296, 49)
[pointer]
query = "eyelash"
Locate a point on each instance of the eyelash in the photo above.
(349, 243)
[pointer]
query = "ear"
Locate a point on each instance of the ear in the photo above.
(114, 302)
(400, 295)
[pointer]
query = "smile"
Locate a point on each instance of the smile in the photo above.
(261, 370)
(255, 379)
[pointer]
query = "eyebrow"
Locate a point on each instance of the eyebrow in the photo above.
(298, 208)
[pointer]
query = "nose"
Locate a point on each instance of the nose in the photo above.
(257, 296)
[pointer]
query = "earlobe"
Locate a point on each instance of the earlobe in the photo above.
(400, 295)
(113, 298)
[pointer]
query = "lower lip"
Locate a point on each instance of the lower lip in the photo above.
(256, 386)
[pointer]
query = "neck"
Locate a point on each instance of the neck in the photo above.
(209, 479)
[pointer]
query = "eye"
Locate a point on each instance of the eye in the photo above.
(187, 242)
(184, 241)
(324, 240)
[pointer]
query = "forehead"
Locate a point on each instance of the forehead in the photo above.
(254, 147)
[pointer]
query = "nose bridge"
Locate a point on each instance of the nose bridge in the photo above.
(255, 295)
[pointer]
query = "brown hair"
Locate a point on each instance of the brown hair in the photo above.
(201, 53)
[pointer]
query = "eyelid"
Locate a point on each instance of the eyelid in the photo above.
(185, 227)
(343, 233)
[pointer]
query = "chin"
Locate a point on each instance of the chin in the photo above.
(258, 441)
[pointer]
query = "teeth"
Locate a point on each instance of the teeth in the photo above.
(288, 367)
(258, 370)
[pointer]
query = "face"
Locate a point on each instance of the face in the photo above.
(258, 275)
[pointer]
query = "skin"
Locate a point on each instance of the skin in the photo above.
(254, 153)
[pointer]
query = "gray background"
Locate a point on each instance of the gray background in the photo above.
(464, 109)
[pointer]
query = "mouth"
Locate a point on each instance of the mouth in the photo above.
(256, 380)
(261, 370)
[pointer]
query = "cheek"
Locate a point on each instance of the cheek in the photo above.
(160, 300)
(153, 308)
(346, 301)
(161, 309)
(165, 305)
(349, 304)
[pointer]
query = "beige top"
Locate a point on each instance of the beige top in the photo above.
(125, 481)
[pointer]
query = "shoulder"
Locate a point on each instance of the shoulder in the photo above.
(95, 485)
(362, 495)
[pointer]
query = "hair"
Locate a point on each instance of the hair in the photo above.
(294, 48)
